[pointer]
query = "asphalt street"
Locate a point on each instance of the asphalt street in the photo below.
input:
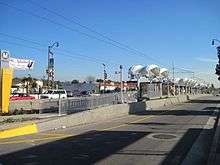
(163, 136)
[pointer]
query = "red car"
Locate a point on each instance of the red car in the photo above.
(21, 96)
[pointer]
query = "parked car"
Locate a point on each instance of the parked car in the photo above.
(69, 94)
(21, 96)
(85, 93)
(54, 94)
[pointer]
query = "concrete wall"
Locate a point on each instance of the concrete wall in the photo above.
(34, 104)
(113, 111)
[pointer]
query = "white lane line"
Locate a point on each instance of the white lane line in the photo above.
(197, 151)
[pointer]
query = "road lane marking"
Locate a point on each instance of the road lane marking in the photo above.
(136, 121)
(19, 131)
(60, 136)
(35, 140)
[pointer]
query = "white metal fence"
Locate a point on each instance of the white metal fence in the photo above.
(73, 105)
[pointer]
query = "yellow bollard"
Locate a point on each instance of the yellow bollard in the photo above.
(6, 81)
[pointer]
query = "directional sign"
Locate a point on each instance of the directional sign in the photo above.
(21, 64)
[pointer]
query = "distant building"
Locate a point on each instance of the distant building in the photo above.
(116, 86)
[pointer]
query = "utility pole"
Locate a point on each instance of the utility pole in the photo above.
(121, 82)
(50, 68)
(173, 69)
(104, 77)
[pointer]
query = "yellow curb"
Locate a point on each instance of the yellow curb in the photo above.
(19, 131)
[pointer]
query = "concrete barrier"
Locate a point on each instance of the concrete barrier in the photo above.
(105, 113)
(109, 112)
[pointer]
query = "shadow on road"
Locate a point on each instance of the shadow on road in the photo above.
(86, 148)
(181, 112)
(205, 101)
(179, 152)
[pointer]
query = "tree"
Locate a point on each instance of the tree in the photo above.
(90, 79)
(74, 81)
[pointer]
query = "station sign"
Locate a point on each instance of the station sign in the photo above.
(21, 64)
(5, 55)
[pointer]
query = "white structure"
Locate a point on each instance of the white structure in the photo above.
(134, 71)
(164, 72)
(154, 70)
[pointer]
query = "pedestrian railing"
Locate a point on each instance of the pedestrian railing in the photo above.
(73, 105)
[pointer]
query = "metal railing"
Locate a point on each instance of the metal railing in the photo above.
(73, 105)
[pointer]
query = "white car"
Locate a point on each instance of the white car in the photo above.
(54, 94)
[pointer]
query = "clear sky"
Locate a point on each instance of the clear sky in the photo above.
(171, 30)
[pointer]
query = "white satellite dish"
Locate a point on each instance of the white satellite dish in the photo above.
(135, 70)
(181, 82)
(144, 71)
(164, 72)
(154, 70)
(185, 81)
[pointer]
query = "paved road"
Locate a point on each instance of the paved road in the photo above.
(178, 135)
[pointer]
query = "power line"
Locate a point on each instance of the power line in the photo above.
(89, 29)
(125, 47)
(60, 50)
(131, 52)
(41, 49)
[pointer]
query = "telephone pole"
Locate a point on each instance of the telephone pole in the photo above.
(121, 82)
(50, 68)
(104, 77)
(173, 70)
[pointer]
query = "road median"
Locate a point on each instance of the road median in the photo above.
(97, 115)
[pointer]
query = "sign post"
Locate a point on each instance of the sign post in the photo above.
(7, 66)
(5, 81)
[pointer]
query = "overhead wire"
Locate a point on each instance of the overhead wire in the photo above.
(75, 30)
(43, 50)
(71, 20)
(60, 50)
(122, 46)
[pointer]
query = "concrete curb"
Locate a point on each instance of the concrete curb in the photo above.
(93, 116)
(213, 159)
(19, 131)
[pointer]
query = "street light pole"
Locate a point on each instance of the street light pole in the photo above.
(121, 82)
(50, 68)
(104, 77)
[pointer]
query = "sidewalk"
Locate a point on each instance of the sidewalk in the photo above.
(12, 121)
(214, 156)
(18, 125)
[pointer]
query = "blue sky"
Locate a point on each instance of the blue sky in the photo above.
(179, 31)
